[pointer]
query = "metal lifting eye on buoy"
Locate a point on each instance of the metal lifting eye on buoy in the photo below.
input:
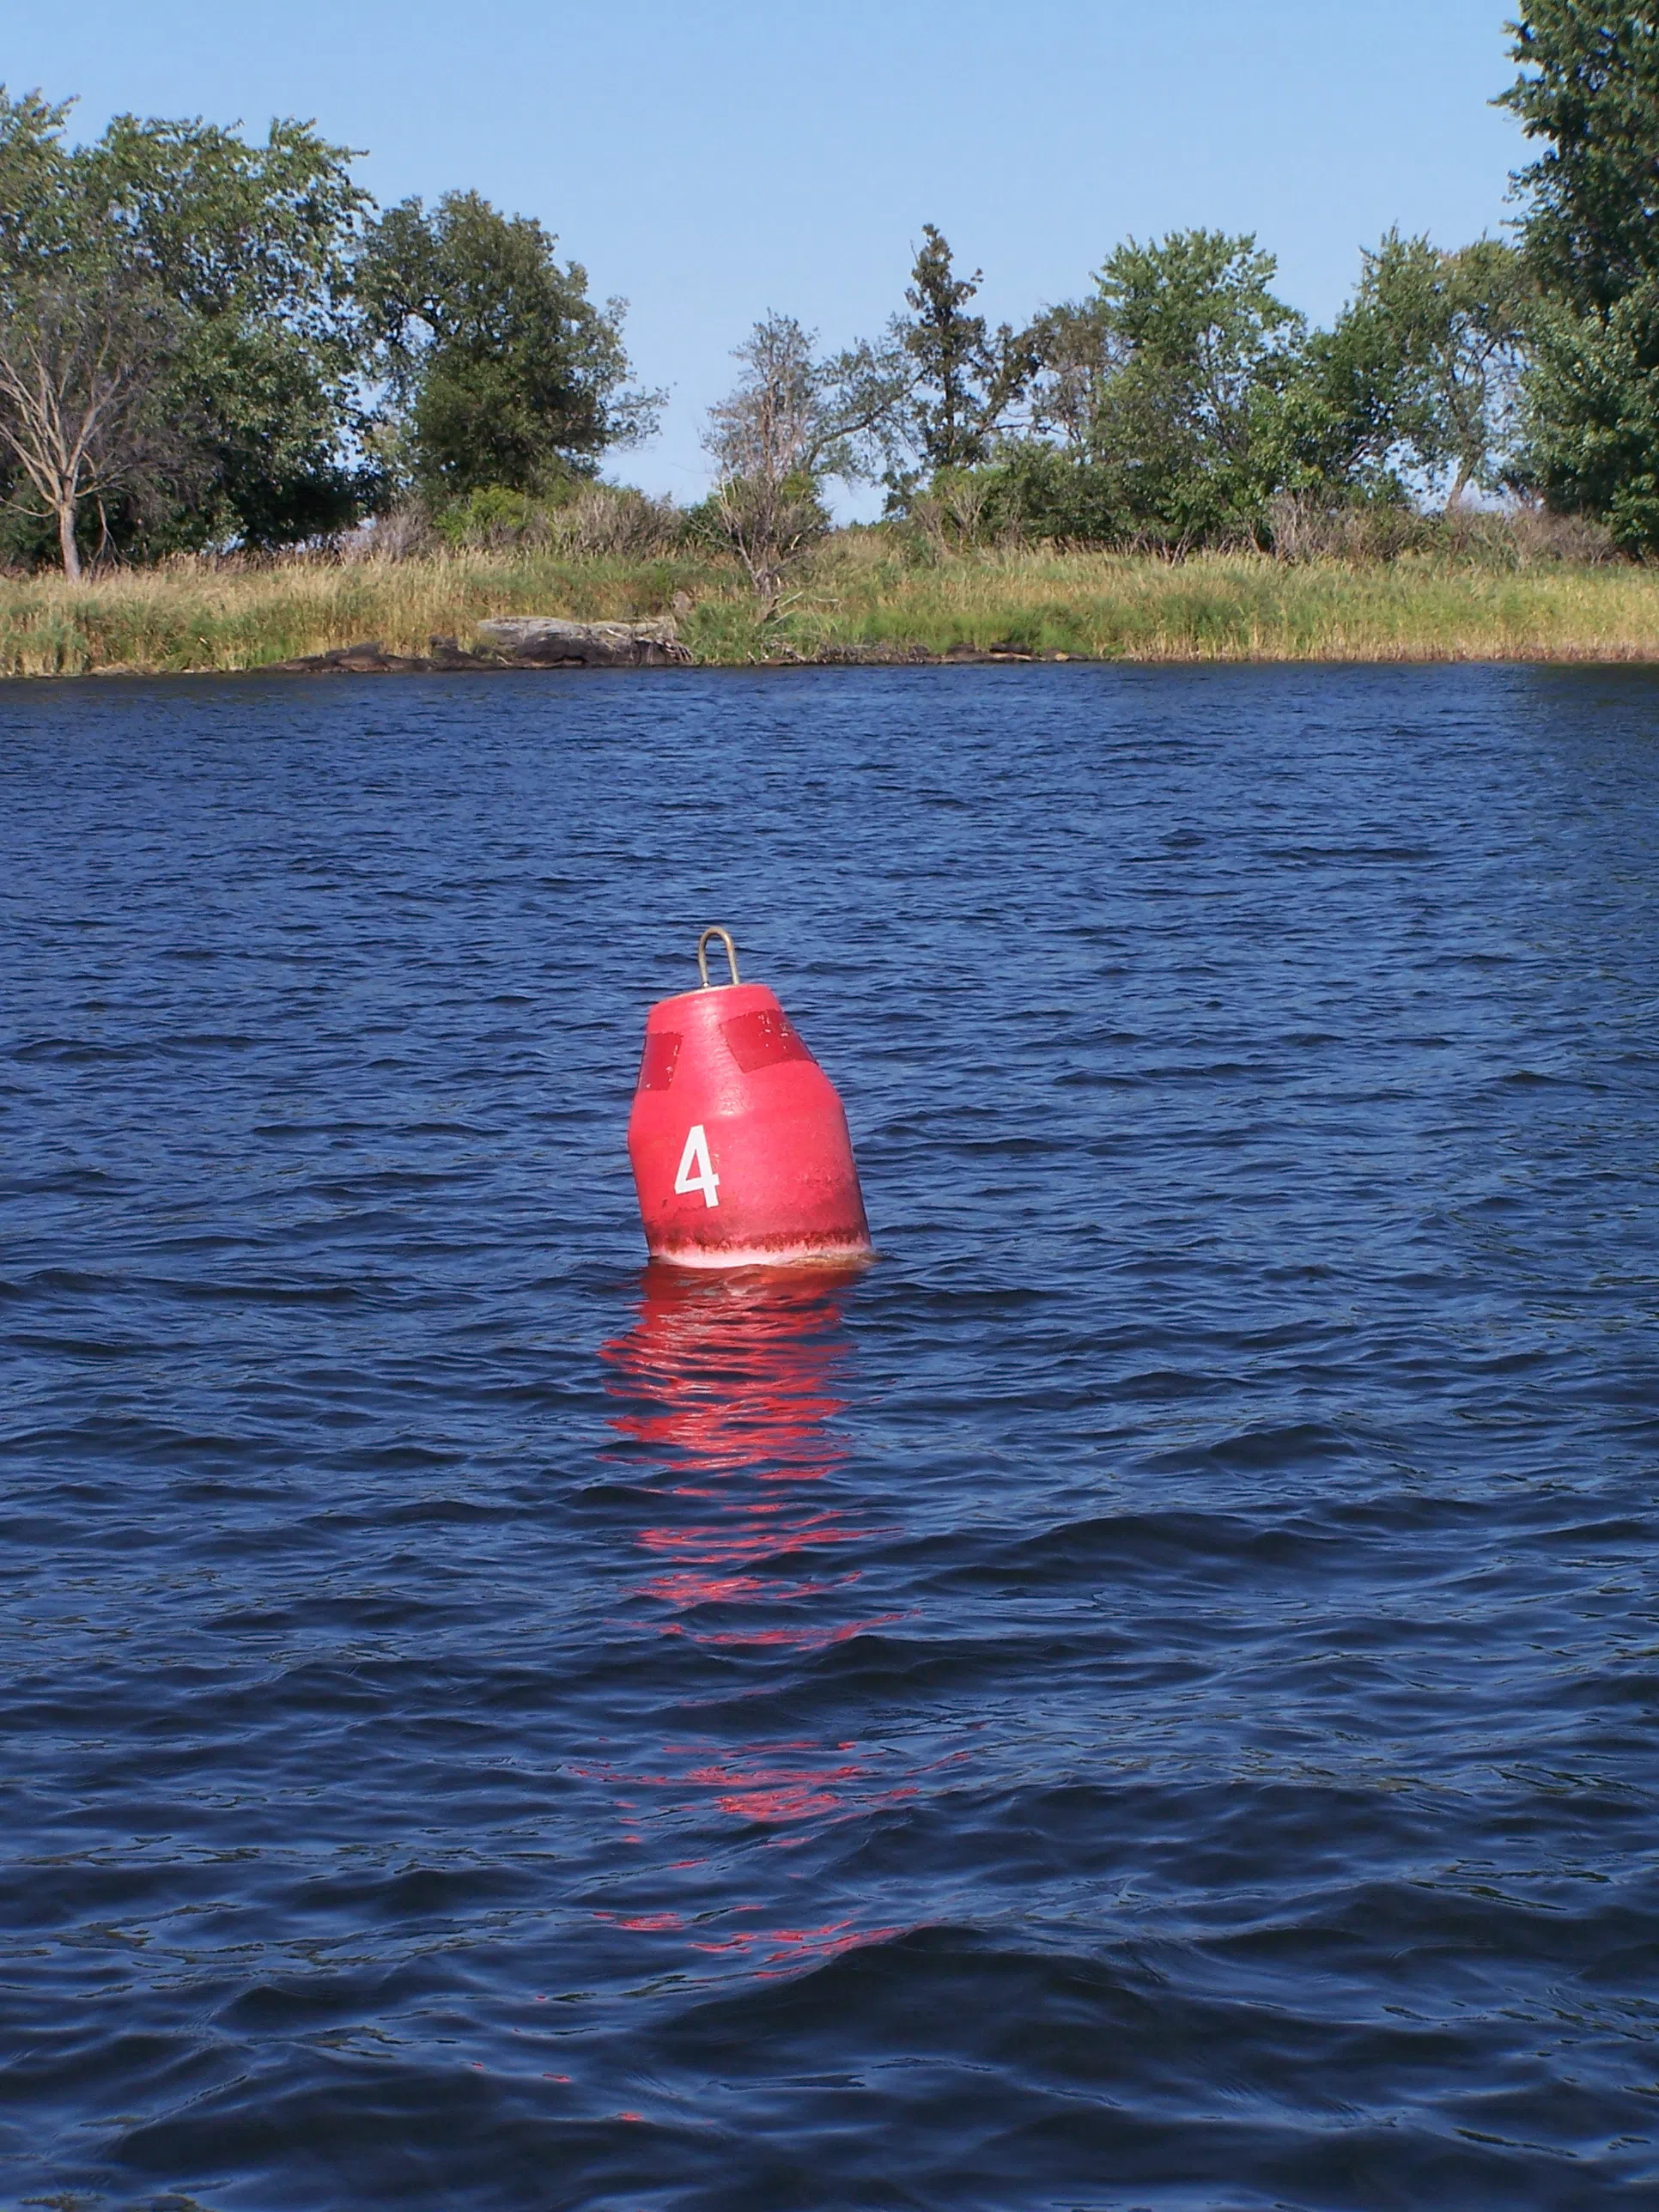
(724, 937)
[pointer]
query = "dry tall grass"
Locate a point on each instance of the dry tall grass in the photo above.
(194, 616)
(866, 592)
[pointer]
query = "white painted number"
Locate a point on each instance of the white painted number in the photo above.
(696, 1169)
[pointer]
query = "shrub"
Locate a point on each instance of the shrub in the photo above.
(590, 521)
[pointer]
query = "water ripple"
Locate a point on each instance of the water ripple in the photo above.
(1143, 1698)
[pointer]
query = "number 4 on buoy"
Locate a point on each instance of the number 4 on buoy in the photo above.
(696, 1169)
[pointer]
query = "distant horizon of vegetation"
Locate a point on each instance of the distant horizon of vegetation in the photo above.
(216, 347)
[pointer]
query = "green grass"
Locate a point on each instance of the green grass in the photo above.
(865, 594)
(1231, 607)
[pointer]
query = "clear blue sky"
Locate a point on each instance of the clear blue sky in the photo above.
(713, 158)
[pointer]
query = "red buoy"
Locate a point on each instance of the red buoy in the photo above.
(739, 1141)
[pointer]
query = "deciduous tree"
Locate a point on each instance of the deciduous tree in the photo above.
(1189, 423)
(1590, 90)
(252, 243)
(500, 368)
(793, 422)
(81, 362)
(239, 253)
(1419, 377)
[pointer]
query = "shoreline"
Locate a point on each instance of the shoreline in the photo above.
(411, 666)
(1586, 661)
(857, 604)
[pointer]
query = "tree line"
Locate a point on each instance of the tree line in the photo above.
(209, 342)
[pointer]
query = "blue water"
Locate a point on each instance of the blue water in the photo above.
(1144, 1698)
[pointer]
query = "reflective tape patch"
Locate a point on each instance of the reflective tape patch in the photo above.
(662, 1049)
(762, 1039)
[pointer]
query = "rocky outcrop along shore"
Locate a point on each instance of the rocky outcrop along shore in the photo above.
(544, 641)
(510, 642)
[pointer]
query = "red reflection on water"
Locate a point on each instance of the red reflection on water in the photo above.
(732, 1377)
(731, 1383)
(737, 1366)
(794, 1947)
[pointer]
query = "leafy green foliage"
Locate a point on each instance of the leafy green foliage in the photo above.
(493, 515)
(499, 370)
(36, 215)
(1592, 415)
(232, 230)
(1039, 490)
(1170, 386)
(1192, 421)
(253, 243)
(238, 254)
(1418, 378)
(1182, 402)
(255, 292)
(1589, 87)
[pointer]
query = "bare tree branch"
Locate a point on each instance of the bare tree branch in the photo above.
(80, 362)
(793, 422)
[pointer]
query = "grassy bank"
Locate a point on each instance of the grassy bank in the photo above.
(861, 595)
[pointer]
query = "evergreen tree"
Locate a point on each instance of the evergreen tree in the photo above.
(966, 379)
